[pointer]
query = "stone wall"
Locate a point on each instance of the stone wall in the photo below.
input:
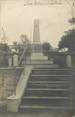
(8, 81)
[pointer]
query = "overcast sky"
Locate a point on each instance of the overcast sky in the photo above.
(17, 19)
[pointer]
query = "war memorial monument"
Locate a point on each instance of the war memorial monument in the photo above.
(33, 83)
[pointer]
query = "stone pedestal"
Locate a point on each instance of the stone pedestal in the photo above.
(38, 56)
(12, 104)
(37, 53)
(15, 60)
(69, 61)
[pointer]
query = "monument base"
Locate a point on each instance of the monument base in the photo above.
(38, 56)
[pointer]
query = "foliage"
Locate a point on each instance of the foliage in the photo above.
(68, 41)
(46, 48)
(23, 45)
(72, 20)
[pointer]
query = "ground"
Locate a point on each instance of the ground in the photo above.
(43, 114)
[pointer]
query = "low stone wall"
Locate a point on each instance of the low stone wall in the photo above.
(13, 101)
(8, 81)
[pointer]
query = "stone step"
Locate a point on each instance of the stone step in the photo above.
(50, 71)
(49, 82)
(46, 101)
(51, 66)
(47, 89)
(54, 69)
(34, 97)
(51, 93)
(23, 108)
(41, 62)
(50, 77)
(49, 85)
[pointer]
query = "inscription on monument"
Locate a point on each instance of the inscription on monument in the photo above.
(42, 2)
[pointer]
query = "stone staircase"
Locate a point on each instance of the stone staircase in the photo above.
(48, 89)
(41, 64)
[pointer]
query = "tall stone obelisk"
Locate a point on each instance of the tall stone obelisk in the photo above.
(37, 47)
(36, 32)
(37, 53)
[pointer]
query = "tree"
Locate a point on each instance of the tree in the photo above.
(23, 48)
(16, 46)
(46, 48)
(72, 21)
(68, 41)
(26, 44)
(23, 44)
(24, 40)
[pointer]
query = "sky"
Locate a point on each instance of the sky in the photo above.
(17, 19)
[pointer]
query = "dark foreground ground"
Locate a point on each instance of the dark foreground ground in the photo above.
(37, 114)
